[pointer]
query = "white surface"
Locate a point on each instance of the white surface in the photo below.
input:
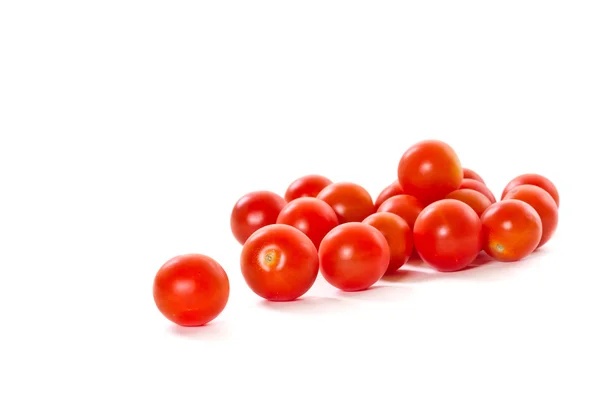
(128, 130)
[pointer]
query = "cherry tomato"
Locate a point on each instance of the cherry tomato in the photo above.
(397, 234)
(470, 174)
(306, 186)
(253, 211)
(476, 200)
(448, 235)
(543, 203)
(392, 190)
(354, 256)
(429, 170)
(351, 202)
(512, 229)
(279, 263)
(478, 186)
(403, 205)
(191, 289)
(536, 180)
(312, 216)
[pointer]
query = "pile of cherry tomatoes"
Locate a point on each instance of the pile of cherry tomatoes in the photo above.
(436, 210)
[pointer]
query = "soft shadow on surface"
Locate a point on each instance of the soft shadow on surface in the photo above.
(214, 330)
(378, 292)
(491, 270)
(409, 275)
(306, 304)
(483, 268)
(541, 252)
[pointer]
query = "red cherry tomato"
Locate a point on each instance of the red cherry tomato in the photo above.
(476, 200)
(429, 170)
(448, 235)
(536, 180)
(512, 230)
(306, 186)
(470, 174)
(253, 211)
(398, 236)
(403, 205)
(191, 289)
(392, 190)
(543, 203)
(351, 202)
(354, 256)
(478, 186)
(311, 216)
(279, 263)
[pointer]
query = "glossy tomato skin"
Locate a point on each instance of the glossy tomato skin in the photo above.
(536, 180)
(393, 189)
(470, 174)
(253, 211)
(306, 186)
(478, 186)
(311, 216)
(191, 289)
(543, 204)
(474, 199)
(350, 201)
(448, 235)
(398, 235)
(403, 205)
(429, 170)
(279, 263)
(512, 229)
(354, 256)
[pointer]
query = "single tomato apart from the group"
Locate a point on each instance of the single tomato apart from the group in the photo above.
(191, 289)
(279, 263)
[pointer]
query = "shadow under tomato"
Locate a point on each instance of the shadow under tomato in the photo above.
(378, 292)
(481, 260)
(213, 331)
(415, 260)
(540, 252)
(483, 268)
(405, 274)
(307, 305)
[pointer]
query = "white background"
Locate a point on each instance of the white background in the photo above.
(129, 129)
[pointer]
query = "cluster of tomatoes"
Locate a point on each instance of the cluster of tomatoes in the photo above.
(436, 210)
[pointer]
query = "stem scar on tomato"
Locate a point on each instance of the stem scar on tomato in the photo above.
(279, 262)
(270, 259)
